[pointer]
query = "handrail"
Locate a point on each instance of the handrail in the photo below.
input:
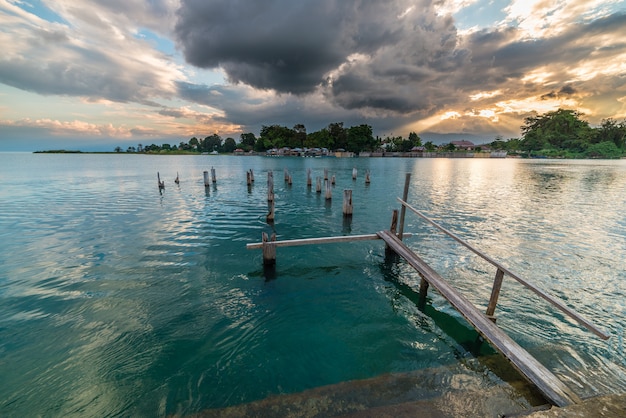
(551, 299)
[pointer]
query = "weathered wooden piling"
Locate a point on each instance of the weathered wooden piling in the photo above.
(177, 180)
(354, 173)
(308, 178)
(213, 177)
(367, 177)
(495, 293)
(332, 179)
(248, 178)
(405, 195)
(325, 174)
(392, 228)
(289, 180)
(347, 202)
(318, 186)
(269, 249)
(206, 178)
(270, 186)
(329, 193)
(160, 183)
(270, 216)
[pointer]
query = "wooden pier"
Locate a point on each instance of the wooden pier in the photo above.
(552, 388)
(548, 384)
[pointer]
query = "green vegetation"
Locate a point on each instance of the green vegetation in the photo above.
(58, 151)
(564, 134)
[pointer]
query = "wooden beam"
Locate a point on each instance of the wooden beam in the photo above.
(316, 241)
(550, 386)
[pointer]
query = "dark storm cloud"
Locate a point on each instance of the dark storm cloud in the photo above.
(284, 45)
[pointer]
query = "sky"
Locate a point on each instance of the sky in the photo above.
(96, 74)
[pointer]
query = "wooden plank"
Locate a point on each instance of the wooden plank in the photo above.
(550, 386)
(539, 292)
(315, 241)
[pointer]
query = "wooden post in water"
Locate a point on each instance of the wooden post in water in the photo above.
(308, 178)
(269, 249)
(392, 228)
(286, 173)
(318, 186)
(206, 178)
(270, 216)
(160, 183)
(270, 186)
(289, 180)
(405, 195)
(495, 293)
(354, 173)
(248, 179)
(325, 174)
(251, 176)
(347, 202)
(329, 193)
(367, 177)
(332, 179)
(213, 179)
(177, 180)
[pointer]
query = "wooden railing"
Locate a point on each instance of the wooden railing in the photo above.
(501, 271)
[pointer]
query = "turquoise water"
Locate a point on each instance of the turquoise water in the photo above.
(116, 299)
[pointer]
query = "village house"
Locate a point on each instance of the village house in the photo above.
(463, 145)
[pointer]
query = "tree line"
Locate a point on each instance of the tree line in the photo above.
(332, 137)
(560, 133)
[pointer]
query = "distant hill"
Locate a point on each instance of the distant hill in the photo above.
(439, 139)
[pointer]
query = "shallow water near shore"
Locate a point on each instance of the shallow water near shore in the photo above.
(119, 299)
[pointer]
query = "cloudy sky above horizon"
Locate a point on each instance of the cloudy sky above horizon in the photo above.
(88, 74)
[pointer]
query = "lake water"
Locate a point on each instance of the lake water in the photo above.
(116, 299)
